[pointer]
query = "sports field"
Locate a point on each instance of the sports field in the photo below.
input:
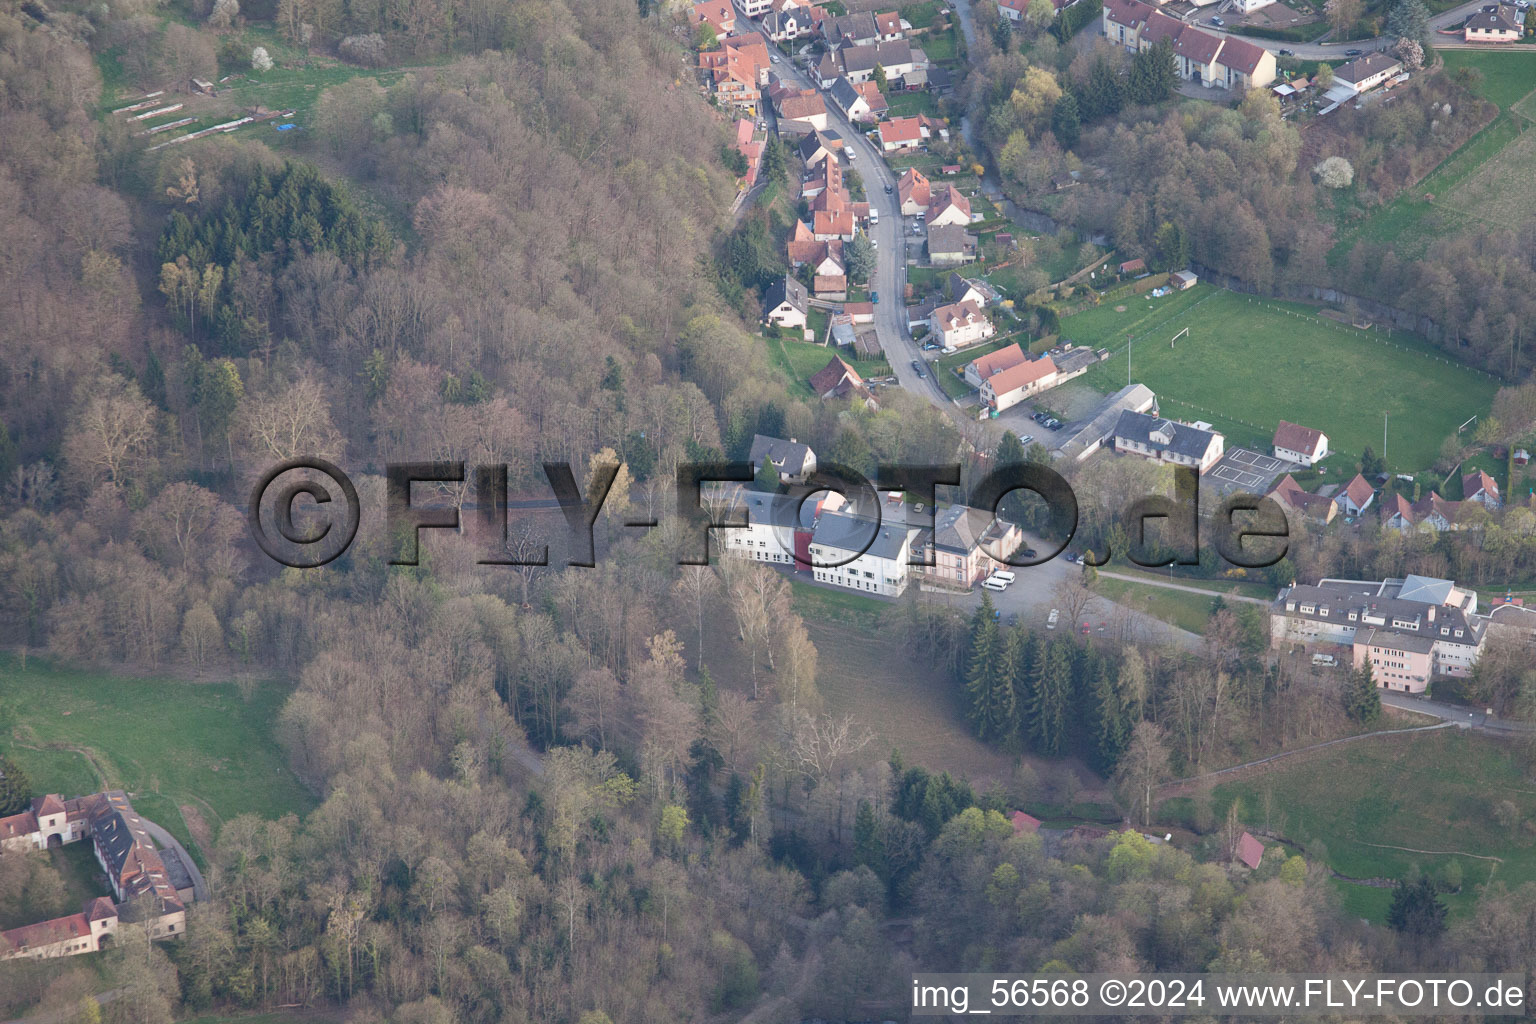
(169, 744)
(1248, 363)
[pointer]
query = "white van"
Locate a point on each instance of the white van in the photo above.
(1324, 660)
(1050, 623)
(1004, 575)
(874, 215)
(993, 583)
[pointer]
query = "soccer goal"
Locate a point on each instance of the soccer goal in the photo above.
(1176, 337)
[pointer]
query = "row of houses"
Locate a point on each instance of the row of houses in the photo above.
(866, 548)
(150, 887)
(1203, 57)
(1410, 630)
(1010, 375)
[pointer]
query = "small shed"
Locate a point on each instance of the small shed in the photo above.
(1183, 279)
(1136, 266)
(1023, 823)
(1249, 850)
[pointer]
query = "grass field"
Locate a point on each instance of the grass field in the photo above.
(1245, 365)
(1487, 169)
(168, 743)
(800, 360)
(1178, 608)
(1427, 792)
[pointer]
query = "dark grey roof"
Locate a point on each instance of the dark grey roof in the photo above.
(962, 529)
(939, 78)
(845, 94)
(786, 288)
(1505, 18)
(1397, 640)
(1361, 68)
(175, 871)
(1373, 605)
(860, 25)
(950, 238)
(858, 59)
(789, 456)
(853, 533)
(1190, 442)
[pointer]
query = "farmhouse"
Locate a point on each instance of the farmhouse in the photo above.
(785, 303)
(967, 545)
(1356, 496)
(148, 889)
(1503, 24)
(982, 367)
(960, 324)
(1411, 629)
(832, 287)
(1301, 445)
(1164, 440)
(1007, 388)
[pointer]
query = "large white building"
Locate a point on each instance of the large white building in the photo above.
(1411, 629)
(855, 551)
(1164, 440)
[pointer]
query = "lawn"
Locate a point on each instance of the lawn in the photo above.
(1248, 363)
(1508, 75)
(1176, 607)
(166, 742)
(801, 360)
(1433, 792)
(1410, 222)
(908, 104)
(83, 880)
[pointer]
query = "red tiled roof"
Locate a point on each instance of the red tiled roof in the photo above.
(1130, 13)
(995, 362)
(901, 131)
(1241, 55)
(829, 283)
(914, 186)
(1477, 480)
(951, 196)
(1249, 850)
(1024, 822)
(802, 105)
(1359, 490)
(833, 222)
(1160, 27)
(18, 825)
(1022, 375)
(887, 23)
(1297, 438)
(46, 933)
(1195, 45)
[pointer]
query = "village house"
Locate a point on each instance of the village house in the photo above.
(850, 100)
(889, 27)
(1410, 629)
(913, 191)
(1504, 24)
(960, 324)
(756, 8)
(785, 303)
(982, 367)
(1365, 73)
(1478, 486)
(737, 70)
(900, 133)
(827, 225)
(805, 106)
(720, 15)
(1356, 496)
(1007, 388)
(831, 287)
(1293, 496)
(858, 29)
(839, 380)
(967, 545)
(949, 207)
(815, 147)
(151, 891)
(1098, 429)
(794, 461)
(1430, 514)
(1301, 445)
(950, 245)
(960, 288)
(794, 22)
(1200, 56)
(858, 62)
(751, 150)
(1164, 440)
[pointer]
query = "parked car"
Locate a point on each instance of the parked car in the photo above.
(1286, 53)
(1050, 623)
(949, 350)
(993, 583)
(773, 58)
(851, 153)
(873, 296)
(1004, 575)
(930, 346)
(1085, 629)
(1217, 22)
(889, 189)
(1353, 53)
(1031, 553)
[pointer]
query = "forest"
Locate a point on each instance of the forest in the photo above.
(567, 795)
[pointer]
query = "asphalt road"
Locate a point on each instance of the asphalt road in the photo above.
(1335, 51)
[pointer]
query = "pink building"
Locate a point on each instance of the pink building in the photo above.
(1399, 661)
